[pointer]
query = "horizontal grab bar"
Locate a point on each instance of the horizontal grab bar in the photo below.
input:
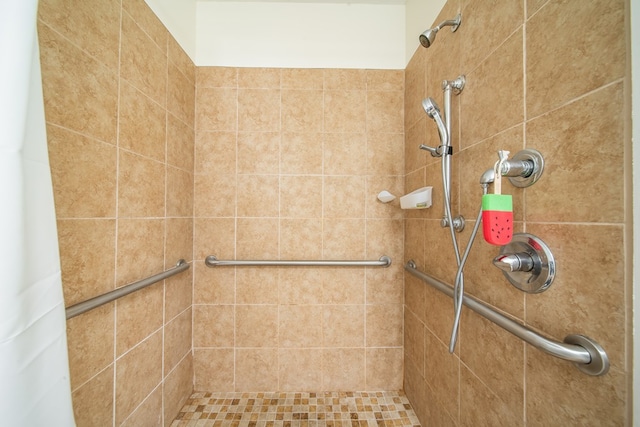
(92, 303)
(586, 354)
(212, 261)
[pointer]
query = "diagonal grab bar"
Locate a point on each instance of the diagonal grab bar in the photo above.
(92, 303)
(586, 354)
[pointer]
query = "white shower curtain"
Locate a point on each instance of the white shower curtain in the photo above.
(34, 369)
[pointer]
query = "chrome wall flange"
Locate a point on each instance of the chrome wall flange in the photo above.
(599, 364)
(532, 165)
(527, 263)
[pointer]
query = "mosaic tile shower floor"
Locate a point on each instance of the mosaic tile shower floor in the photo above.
(326, 409)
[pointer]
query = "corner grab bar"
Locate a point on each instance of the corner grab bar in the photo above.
(586, 354)
(212, 261)
(94, 302)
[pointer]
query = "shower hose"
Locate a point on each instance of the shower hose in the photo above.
(458, 288)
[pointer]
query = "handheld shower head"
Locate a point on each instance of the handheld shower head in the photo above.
(427, 38)
(432, 110)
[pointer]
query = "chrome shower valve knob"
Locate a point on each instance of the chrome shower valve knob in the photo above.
(514, 262)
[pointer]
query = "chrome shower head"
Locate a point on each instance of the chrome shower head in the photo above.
(427, 38)
(432, 110)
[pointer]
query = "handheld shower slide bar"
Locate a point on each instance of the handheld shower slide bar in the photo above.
(212, 261)
(586, 354)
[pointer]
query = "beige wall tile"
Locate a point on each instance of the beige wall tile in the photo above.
(83, 172)
(142, 62)
(136, 108)
(301, 153)
(385, 111)
(302, 110)
(258, 153)
(302, 78)
(534, 5)
(178, 386)
(496, 357)
(345, 154)
(598, 292)
(384, 325)
(343, 196)
(382, 366)
(215, 196)
(179, 58)
(250, 361)
(180, 144)
(216, 153)
(214, 368)
(579, 398)
(256, 326)
(134, 261)
(207, 77)
(257, 196)
(138, 315)
(80, 93)
(385, 80)
(476, 42)
(87, 257)
(180, 96)
(300, 239)
(385, 285)
(149, 411)
(141, 186)
(93, 401)
(178, 293)
(414, 341)
(343, 325)
(343, 286)
(262, 78)
(300, 369)
(385, 153)
(216, 109)
(300, 326)
(442, 371)
(94, 26)
(300, 285)
(579, 166)
(343, 369)
(343, 79)
(335, 246)
(480, 406)
(563, 64)
(416, 135)
(214, 285)
(259, 110)
(179, 192)
(493, 95)
(214, 237)
(415, 88)
(179, 240)
(147, 21)
(177, 340)
(138, 372)
(300, 196)
(345, 111)
(257, 238)
(213, 326)
(255, 285)
(90, 344)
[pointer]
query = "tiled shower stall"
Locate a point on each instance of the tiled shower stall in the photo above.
(154, 159)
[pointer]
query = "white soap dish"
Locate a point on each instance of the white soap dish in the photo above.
(418, 199)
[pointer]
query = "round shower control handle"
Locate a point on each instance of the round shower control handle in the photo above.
(514, 262)
(527, 263)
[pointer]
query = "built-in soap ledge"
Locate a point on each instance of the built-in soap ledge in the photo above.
(418, 199)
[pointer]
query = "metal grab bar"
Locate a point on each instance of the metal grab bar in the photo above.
(92, 303)
(212, 261)
(586, 354)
